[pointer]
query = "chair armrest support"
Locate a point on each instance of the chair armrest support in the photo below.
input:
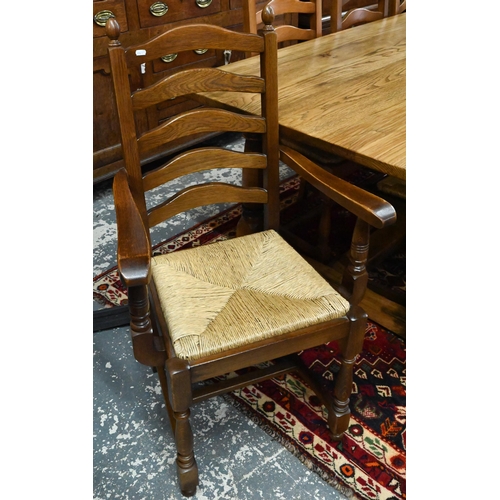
(134, 250)
(372, 209)
(134, 264)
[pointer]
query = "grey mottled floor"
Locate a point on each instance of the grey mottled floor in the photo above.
(134, 451)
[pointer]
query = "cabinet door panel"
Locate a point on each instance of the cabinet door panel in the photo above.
(106, 132)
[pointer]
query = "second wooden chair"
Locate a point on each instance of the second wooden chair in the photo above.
(397, 7)
(343, 17)
(290, 30)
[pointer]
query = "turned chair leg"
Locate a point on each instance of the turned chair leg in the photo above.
(187, 469)
(180, 397)
(338, 419)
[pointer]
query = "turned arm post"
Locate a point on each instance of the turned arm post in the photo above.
(370, 210)
(148, 347)
(355, 277)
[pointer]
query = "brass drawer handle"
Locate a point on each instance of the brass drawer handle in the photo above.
(168, 58)
(203, 3)
(200, 51)
(102, 16)
(158, 9)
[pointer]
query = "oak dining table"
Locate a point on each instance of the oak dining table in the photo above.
(342, 93)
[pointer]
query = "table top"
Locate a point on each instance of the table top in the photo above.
(344, 93)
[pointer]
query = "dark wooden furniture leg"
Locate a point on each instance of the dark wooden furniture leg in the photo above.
(252, 216)
(180, 395)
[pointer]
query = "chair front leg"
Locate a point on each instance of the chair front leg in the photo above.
(338, 420)
(180, 395)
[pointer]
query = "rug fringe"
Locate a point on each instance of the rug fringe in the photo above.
(335, 482)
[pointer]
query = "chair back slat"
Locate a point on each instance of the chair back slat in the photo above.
(288, 6)
(205, 194)
(348, 13)
(199, 160)
(192, 37)
(360, 16)
(195, 80)
(196, 122)
(139, 143)
(311, 9)
(287, 32)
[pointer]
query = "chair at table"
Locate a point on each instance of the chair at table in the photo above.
(247, 305)
(290, 9)
(397, 7)
(342, 19)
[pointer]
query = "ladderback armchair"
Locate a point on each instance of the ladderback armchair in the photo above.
(247, 305)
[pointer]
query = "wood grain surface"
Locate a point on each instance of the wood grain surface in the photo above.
(344, 93)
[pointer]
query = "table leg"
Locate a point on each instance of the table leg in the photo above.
(251, 220)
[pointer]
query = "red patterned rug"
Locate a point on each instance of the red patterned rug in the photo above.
(370, 462)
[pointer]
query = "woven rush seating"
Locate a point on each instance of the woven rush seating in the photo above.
(231, 288)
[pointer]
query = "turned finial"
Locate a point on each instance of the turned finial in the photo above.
(113, 31)
(268, 16)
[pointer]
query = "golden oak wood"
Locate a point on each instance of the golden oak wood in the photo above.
(344, 93)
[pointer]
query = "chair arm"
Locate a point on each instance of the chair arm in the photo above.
(368, 207)
(134, 250)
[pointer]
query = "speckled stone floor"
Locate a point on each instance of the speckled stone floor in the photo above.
(134, 450)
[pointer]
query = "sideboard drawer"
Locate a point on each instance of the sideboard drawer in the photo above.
(238, 4)
(154, 13)
(172, 61)
(103, 9)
